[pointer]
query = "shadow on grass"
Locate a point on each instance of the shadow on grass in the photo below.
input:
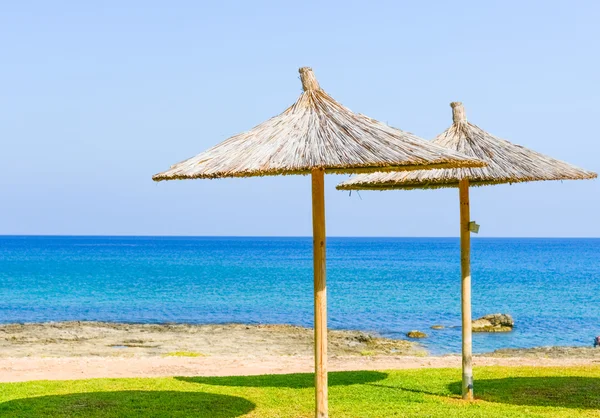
(129, 404)
(556, 391)
(294, 381)
(405, 389)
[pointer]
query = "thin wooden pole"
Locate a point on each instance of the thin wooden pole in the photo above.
(318, 209)
(465, 265)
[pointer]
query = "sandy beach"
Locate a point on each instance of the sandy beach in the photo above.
(79, 350)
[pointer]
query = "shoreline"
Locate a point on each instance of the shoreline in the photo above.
(80, 350)
(15, 337)
(107, 339)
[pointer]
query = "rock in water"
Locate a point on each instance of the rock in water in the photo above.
(494, 323)
(437, 327)
(416, 334)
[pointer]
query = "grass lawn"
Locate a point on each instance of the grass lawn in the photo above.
(501, 392)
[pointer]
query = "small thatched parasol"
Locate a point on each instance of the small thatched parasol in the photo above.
(317, 135)
(506, 163)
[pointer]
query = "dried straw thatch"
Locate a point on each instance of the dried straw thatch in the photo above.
(506, 163)
(316, 132)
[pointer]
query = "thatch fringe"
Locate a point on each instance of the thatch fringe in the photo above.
(506, 163)
(316, 132)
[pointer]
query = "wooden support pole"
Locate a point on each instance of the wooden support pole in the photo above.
(465, 266)
(318, 210)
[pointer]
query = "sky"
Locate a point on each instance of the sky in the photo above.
(98, 96)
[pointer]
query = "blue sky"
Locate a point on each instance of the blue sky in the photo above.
(98, 96)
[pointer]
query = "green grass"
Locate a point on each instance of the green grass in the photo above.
(184, 354)
(501, 391)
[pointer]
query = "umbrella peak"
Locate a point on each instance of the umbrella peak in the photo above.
(458, 112)
(309, 81)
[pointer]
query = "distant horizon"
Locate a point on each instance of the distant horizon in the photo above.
(473, 236)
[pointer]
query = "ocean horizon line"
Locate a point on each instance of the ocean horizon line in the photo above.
(284, 236)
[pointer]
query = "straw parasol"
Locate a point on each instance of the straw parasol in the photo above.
(506, 163)
(316, 135)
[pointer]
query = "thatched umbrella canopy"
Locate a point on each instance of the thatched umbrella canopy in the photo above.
(317, 135)
(506, 163)
(316, 132)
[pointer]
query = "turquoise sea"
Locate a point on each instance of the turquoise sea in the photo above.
(386, 285)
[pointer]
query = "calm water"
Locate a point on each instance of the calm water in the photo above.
(388, 285)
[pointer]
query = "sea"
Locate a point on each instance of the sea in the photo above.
(388, 286)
